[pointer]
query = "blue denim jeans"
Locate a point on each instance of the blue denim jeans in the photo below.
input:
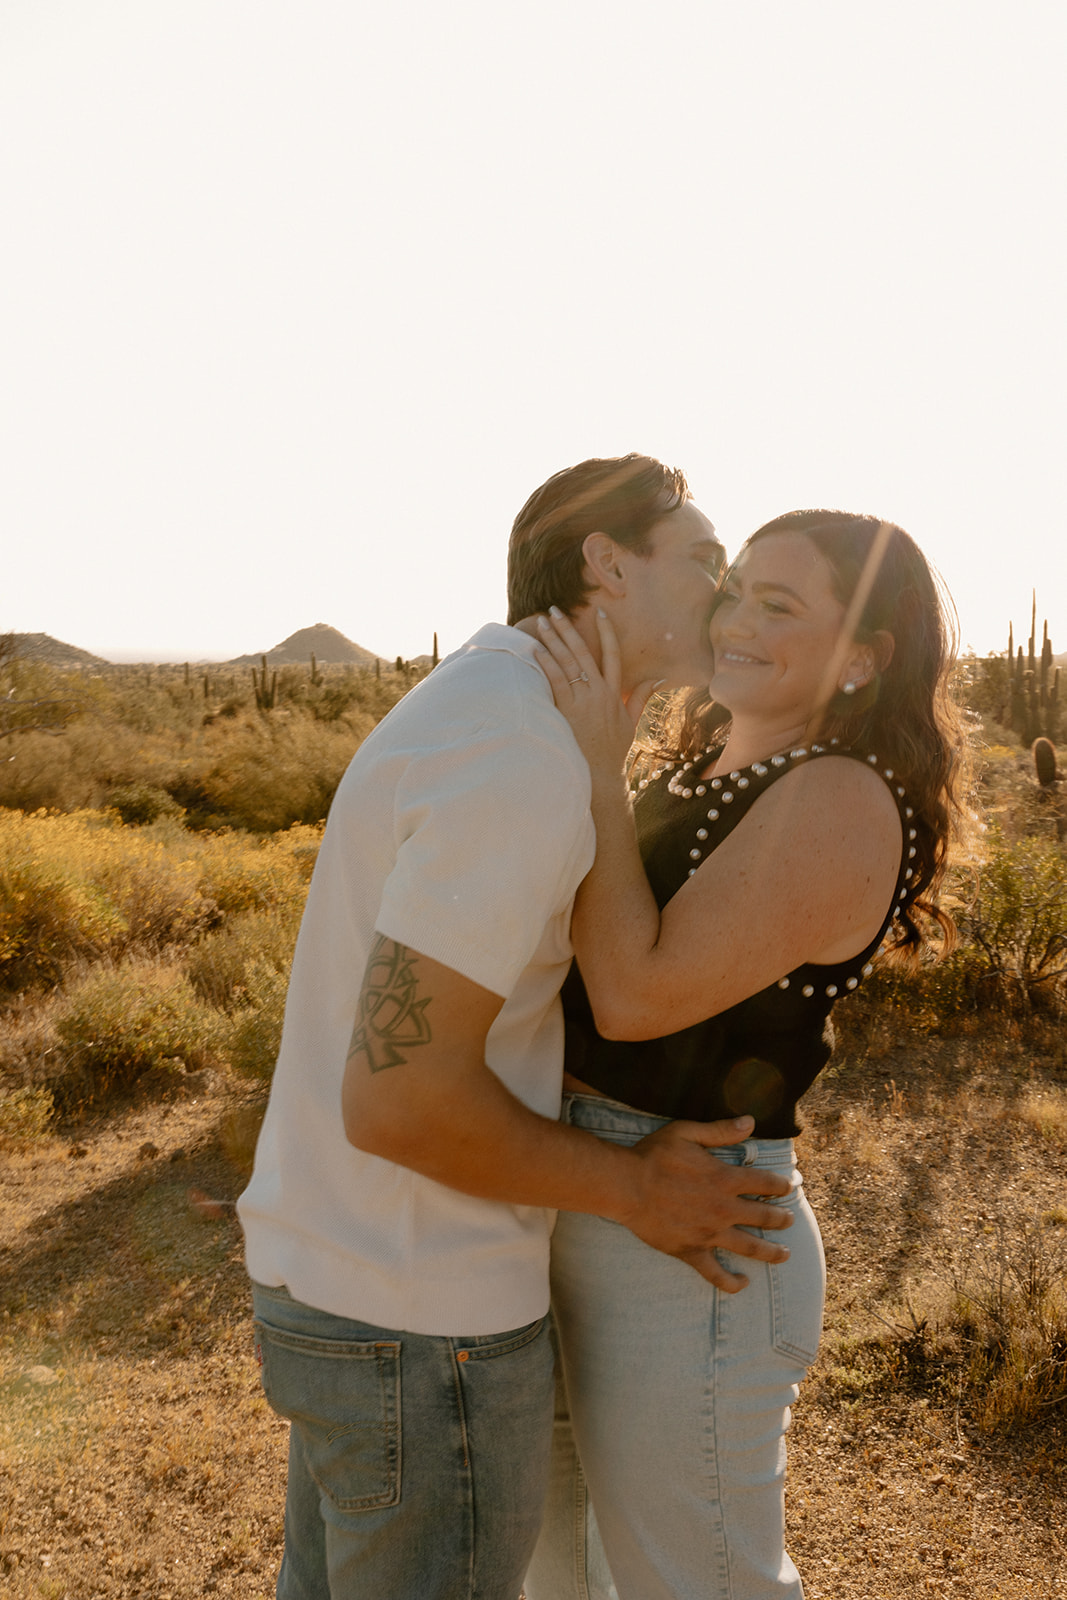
(417, 1464)
(679, 1400)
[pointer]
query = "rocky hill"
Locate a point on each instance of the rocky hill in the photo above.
(329, 647)
(42, 647)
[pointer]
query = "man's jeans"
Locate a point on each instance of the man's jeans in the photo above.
(417, 1464)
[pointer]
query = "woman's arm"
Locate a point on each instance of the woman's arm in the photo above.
(806, 876)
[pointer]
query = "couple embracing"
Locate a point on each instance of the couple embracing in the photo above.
(786, 821)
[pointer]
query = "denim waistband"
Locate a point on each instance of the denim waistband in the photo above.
(597, 1114)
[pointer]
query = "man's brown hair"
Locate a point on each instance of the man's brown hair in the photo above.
(621, 496)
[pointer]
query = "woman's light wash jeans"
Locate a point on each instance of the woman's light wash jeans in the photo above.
(417, 1464)
(679, 1397)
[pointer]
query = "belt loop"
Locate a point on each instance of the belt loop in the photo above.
(751, 1150)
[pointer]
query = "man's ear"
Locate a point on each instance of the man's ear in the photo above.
(602, 563)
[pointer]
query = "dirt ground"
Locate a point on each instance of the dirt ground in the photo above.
(138, 1459)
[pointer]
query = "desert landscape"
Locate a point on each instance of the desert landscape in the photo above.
(158, 827)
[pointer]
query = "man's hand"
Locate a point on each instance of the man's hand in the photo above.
(688, 1204)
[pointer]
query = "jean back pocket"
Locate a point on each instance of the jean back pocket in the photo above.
(344, 1398)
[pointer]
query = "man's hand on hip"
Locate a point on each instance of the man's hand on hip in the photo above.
(689, 1205)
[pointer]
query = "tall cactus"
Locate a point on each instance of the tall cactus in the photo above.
(265, 695)
(1033, 710)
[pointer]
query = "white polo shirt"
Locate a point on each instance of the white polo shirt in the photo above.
(462, 830)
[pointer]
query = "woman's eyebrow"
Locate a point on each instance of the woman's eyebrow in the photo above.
(765, 586)
(777, 588)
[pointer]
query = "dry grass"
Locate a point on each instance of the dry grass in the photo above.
(151, 1466)
(147, 1462)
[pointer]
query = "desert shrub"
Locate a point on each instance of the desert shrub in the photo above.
(25, 1114)
(1008, 793)
(255, 1030)
(48, 772)
(79, 769)
(1011, 913)
(240, 874)
(1017, 923)
(218, 966)
(1010, 1314)
(299, 845)
(49, 914)
(116, 1024)
(987, 1332)
(140, 803)
(83, 886)
(157, 728)
(269, 772)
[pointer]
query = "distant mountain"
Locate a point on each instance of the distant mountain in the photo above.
(42, 647)
(328, 644)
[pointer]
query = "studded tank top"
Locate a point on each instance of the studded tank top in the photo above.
(762, 1054)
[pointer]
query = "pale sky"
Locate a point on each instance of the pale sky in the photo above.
(299, 302)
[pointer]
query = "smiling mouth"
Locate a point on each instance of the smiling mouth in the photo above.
(738, 660)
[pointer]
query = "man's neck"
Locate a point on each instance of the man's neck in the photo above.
(583, 619)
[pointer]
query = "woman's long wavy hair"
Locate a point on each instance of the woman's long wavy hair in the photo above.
(905, 715)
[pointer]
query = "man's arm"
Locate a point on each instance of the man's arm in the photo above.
(418, 1092)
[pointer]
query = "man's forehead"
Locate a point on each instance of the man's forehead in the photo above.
(687, 527)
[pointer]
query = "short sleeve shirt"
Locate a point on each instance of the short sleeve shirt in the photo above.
(462, 830)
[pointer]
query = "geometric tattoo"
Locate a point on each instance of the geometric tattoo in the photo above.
(389, 1018)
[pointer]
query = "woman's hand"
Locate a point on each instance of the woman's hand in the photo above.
(590, 697)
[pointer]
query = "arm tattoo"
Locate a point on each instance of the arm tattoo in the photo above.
(389, 1019)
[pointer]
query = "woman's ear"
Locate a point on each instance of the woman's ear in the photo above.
(883, 644)
(602, 562)
(865, 662)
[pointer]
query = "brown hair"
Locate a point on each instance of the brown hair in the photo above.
(905, 715)
(621, 496)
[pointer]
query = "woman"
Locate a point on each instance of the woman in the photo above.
(786, 840)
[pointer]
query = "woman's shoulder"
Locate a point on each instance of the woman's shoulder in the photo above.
(842, 786)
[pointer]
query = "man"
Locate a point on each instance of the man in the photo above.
(398, 1218)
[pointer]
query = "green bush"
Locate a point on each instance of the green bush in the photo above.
(218, 966)
(1017, 925)
(140, 803)
(116, 1025)
(24, 1116)
(255, 1031)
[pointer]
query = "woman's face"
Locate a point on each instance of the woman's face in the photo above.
(777, 631)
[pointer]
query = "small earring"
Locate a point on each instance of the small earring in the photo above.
(848, 688)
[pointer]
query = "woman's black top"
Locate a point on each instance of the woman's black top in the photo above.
(762, 1054)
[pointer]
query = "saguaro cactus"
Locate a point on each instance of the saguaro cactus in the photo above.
(265, 696)
(1034, 710)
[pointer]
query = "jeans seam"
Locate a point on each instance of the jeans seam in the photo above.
(581, 1526)
(470, 1508)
